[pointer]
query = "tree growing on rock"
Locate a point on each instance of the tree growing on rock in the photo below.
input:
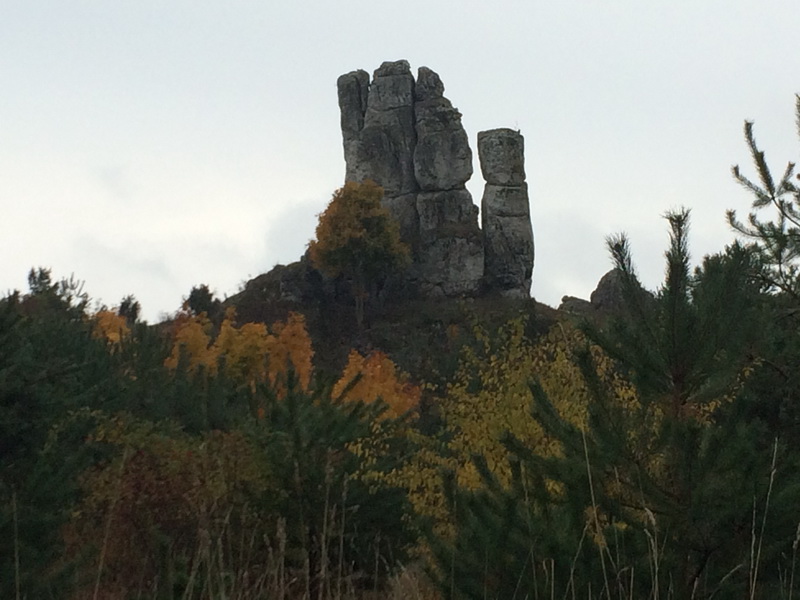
(358, 239)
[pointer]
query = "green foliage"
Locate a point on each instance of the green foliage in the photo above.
(689, 353)
(515, 542)
(667, 495)
(126, 472)
(50, 367)
(337, 515)
(776, 247)
(776, 240)
(202, 300)
(683, 352)
(129, 309)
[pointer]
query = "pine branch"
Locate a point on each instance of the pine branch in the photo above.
(759, 160)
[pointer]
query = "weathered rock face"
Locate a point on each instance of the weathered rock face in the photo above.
(502, 154)
(378, 127)
(450, 257)
(608, 298)
(505, 213)
(442, 158)
(608, 294)
(379, 136)
(353, 88)
(406, 136)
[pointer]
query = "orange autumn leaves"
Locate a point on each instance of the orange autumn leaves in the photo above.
(253, 354)
(250, 353)
(378, 378)
(110, 326)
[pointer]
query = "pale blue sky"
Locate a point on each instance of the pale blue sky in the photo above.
(150, 146)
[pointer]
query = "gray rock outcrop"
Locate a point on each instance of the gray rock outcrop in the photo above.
(575, 306)
(608, 294)
(505, 213)
(608, 298)
(405, 135)
(379, 136)
(442, 158)
(450, 257)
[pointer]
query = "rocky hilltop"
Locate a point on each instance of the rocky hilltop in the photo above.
(405, 135)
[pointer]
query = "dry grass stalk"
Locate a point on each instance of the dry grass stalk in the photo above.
(16, 543)
(107, 532)
(754, 563)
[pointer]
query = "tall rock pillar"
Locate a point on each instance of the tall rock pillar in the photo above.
(407, 137)
(505, 213)
(450, 257)
(379, 136)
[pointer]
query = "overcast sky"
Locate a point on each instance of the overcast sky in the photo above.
(149, 146)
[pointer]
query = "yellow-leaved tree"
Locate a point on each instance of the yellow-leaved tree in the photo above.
(377, 377)
(490, 396)
(191, 335)
(110, 326)
(251, 353)
(357, 238)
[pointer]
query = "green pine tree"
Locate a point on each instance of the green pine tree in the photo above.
(667, 498)
(336, 521)
(773, 229)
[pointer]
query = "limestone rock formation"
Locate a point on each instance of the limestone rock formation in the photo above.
(406, 136)
(505, 213)
(379, 135)
(442, 158)
(450, 257)
(608, 294)
(378, 127)
(576, 306)
(607, 298)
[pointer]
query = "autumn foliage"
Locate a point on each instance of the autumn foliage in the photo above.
(110, 326)
(357, 238)
(250, 354)
(651, 452)
(356, 235)
(377, 378)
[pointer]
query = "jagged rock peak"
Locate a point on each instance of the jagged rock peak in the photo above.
(607, 298)
(389, 68)
(442, 158)
(353, 88)
(392, 87)
(378, 131)
(402, 133)
(609, 295)
(429, 85)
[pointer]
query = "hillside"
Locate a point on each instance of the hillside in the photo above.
(393, 416)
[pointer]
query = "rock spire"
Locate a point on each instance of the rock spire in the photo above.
(405, 135)
(505, 212)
